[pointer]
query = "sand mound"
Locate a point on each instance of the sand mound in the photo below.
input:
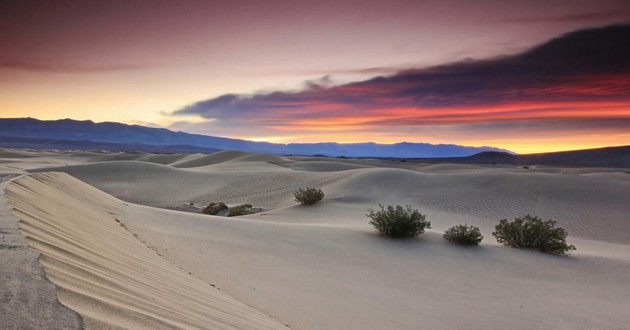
(588, 207)
(165, 186)
(439, 168)
(226, 156)
(205, 160)
(107, 274)
(163, 159)
(320, 276)
(5, 153)
(323, 267)
(114, 170)
(323, 166)
(263, 158)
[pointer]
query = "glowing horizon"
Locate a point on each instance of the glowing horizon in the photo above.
(441, 72)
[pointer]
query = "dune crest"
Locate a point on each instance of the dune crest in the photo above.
(105, 273)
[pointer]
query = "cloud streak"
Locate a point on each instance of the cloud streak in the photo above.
(583, 75)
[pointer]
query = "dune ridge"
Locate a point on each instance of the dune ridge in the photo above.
(105, 273)
(5, 153)
(136, 182)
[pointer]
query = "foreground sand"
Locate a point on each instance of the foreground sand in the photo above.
(27, 299)
(106, 273)
(323, 267)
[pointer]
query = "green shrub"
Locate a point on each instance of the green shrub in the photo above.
(214, 208)
(397, 222)
(533, 232)
(463, 234)
(308, 196)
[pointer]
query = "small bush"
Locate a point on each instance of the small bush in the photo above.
(463, 234)
(397, 222)
(533, 232)
(308, 196)
(214, 208)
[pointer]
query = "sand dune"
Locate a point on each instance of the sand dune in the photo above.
(574, 198)
(165, 186)
(323, 267)
(163, 159)
(5, 153)
(107, 274)
(323, 166)
(226, 156)
(28, 300)
(589, 207)
(204, 160)
(310, 276)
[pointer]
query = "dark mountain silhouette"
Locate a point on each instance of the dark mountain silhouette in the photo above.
(72, 130)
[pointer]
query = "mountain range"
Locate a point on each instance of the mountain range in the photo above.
(69, 134)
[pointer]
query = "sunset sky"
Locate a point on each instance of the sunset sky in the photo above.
(528, 76)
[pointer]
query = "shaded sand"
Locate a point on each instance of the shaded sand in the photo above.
(107, 274)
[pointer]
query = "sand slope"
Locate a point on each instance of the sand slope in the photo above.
(589, 207)
(166, 186)
(5, 153)
(107, 274)
(323, 267)
(316, 275)
(27, 299)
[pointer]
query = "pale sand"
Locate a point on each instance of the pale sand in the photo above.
(27, 299)
(323, 267)
(105, 273)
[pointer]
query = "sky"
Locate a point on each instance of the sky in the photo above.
(527, 76)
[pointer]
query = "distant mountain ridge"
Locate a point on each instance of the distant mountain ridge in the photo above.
(49, 144)
(110, 132)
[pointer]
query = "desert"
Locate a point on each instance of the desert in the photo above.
(121, 237)
(315, 165)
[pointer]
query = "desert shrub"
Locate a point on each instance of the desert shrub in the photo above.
(240, 210)
(533, 232)
(214, 208)
(308, 196)
(463, 234)
(397, 222)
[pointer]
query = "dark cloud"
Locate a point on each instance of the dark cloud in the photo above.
(584, 66)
